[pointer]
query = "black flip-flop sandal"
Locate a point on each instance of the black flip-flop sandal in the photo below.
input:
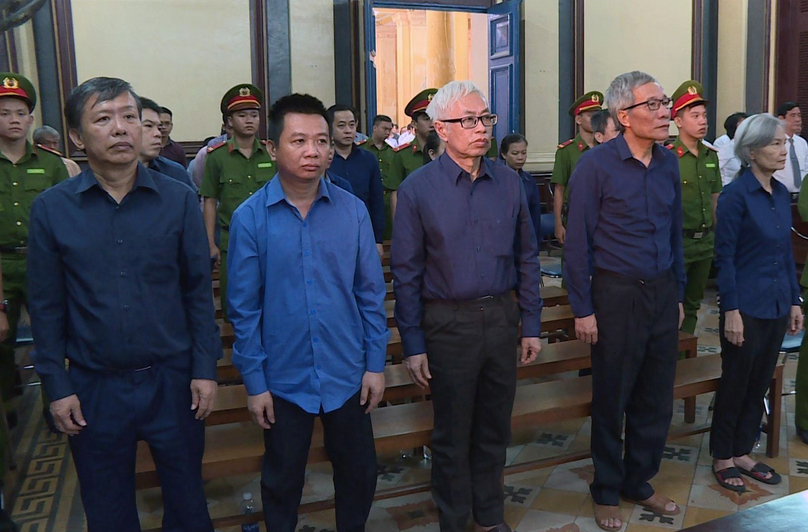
(759, 473)
(725, 474)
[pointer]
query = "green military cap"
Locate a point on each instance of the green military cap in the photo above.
(242, 96)
(690, 92)
(420, 102)
(591, 101)
(17, 86)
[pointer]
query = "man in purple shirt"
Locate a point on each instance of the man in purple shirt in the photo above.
(171, 150)
(624, 266)
(463, 240)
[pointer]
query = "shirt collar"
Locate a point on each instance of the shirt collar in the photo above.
(274, 191)
(452, 169)
(87, 180)
(29, 152)
(625, 151)
(231, 145)
(752, 184)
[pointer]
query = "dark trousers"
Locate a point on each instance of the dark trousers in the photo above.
(121, 408)
(349, 443)
(746, 372)
(633, 369)
(472, 358)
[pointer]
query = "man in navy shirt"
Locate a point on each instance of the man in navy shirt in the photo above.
(624, 267)
(358, 166)
(306, 300)
(463, 240)
(152, 143)
(120, 286)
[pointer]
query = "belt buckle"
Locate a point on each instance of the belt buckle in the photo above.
(698, 235)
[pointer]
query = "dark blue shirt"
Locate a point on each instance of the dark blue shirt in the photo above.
(337, 180)
(753, 252)
(306, 297)
(533, 201)
(120, 286)
(361, 170)
(454, 239)
(624, 217)
(172, 169)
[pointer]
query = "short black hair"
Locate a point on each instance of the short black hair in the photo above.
(599, 120)
(147, 103)
(417, 115)
(167, 111)
(103, 88)
(513, 138)
(732, 122)
(381, 118)
(432, 143)
(304, 104)
(336, 108)
(784, 108)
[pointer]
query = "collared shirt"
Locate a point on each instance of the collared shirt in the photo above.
(411, 155)
(175, 152)
(728, 163)
(20, 183)
(566, 157)
(786, 175)
(390, 164)
(533, 198)
(197, 170)
(458, 239)
(120, 286)
(171, 169)
(337, 180)
(306, 297)
(362, 171)
(753, 252)
(723, 140)
(626, 216)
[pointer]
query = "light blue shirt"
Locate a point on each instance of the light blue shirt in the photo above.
(306, 297)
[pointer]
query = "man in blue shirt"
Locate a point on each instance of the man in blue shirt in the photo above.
(463, 240)
(306, 300)
(358, 166)
(152, 143)
(624, 267)
(120, 286)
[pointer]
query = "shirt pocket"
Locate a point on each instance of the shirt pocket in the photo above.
(265, 171)
(36, 183)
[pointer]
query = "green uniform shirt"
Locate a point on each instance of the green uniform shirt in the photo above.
(701, 178)
(566, 158)
(390, 164)
(37, 170)
(411, 155)
(232, 178)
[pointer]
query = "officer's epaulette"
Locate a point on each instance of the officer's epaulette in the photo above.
(680, 151)
(216, 146)
(402, 146)
(360, 142)
(41, 147)
(710, 146)
(565, 144)
(669, 146)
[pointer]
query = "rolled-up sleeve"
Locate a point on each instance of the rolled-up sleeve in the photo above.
(407, 263)
(369, 291)
(244, 305)
(584, 211)
(195, 282)
(47, 304)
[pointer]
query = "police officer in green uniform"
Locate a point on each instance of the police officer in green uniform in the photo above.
(569, 152)
(234, 170)
(25, 171)
(701, 185)
(412, 153)
(390, 164)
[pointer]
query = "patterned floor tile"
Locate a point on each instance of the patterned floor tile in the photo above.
(680, 454)
(520, 494)
(711, 497)
(541, 521)
(560, 442)
(643, 515)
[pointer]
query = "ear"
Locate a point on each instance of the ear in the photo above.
(599, 137)
(75, 136)
(230, 121)
(271, 149)
(442, 129)
(623, 118)
(30, 119)
(579, 119)
(678, 121)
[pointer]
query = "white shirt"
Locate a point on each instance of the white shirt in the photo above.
(728, 163)
(721, 141)
(786, 175)
(405, 138)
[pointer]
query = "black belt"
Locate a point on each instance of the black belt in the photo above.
(111, 371)
(478, 303)
(22, 250)
(696, 235)
(631, 280)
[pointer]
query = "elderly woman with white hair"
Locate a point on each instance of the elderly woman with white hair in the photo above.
(759, 297)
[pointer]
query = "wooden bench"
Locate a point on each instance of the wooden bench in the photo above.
(238, 448)
(561, 357)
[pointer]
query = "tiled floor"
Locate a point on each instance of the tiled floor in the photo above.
(45, 495)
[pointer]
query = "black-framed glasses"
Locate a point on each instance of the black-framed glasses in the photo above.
(653, 104)
(470, 122)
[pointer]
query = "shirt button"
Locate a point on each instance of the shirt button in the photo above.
(120, 241)
(16, 203)
(315, 339)
(14, 183)
(305, 224)
(318, 366)
(123, 274)
(482, 275)
(126, 307)
(306, 254)
(249, 194)
(313, 312)
(19, 223)
(249, 177)
(478, 248)
(309, 282)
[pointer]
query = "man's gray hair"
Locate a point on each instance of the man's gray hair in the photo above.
(448, 95)
(620, 93)
(44, 133)
(754, 133)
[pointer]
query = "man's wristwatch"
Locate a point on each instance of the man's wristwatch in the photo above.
(4, 306)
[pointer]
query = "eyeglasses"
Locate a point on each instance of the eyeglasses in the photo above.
(653, 104)
(470, 122)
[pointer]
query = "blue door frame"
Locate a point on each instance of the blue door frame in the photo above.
(509, 7)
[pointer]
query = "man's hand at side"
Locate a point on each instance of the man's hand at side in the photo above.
(67, 415)
(262, 409)
(372, 390)
(203, 396)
